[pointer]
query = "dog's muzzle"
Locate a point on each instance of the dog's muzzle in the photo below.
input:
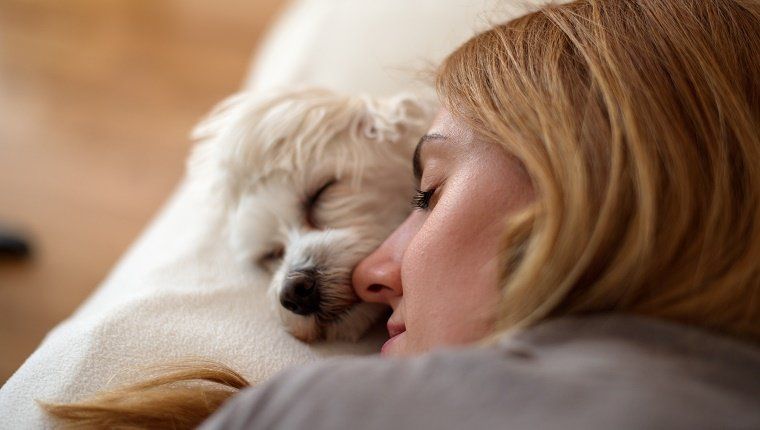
(300, 292)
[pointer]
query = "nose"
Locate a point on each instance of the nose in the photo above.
(377, 278)
(300, 293)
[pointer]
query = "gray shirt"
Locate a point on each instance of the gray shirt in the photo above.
(602, 372)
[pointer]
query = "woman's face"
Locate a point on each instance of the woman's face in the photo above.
(438, 271)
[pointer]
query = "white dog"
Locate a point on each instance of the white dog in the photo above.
(313, 183)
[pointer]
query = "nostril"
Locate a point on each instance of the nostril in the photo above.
(291, 306)
(375, 288)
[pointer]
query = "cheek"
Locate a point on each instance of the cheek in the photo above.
(450, 268)
(450, 276)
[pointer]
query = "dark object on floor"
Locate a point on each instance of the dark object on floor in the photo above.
(13, 246)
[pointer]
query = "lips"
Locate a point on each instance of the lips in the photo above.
(395, 331)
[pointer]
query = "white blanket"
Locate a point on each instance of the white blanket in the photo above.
(178, 292)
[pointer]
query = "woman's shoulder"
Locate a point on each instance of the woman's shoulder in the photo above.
(607, 371)
(632, 344)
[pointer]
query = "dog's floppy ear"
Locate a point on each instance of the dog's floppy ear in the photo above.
(388, 126)
(205, 162)
(233, 140)
(390, 119)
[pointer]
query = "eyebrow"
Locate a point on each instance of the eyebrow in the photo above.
(416, 162)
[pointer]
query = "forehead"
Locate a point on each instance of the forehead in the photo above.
(450, 126)
(445, 132)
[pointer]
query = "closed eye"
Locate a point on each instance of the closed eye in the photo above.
(270, 259)
(421, 199)
(313, 200)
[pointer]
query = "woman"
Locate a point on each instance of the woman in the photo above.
(588, 212)
(636, 123)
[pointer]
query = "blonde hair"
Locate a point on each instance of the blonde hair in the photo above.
(180, 395)
(638, 123)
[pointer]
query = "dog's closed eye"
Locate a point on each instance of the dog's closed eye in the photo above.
(270, 259)
(311, 203)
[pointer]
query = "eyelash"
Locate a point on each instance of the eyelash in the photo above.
(421, 199)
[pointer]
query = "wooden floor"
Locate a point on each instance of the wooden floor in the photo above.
(96, 101)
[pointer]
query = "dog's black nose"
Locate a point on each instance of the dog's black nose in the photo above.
(300, 294)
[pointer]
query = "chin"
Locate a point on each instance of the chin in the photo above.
(311, 182)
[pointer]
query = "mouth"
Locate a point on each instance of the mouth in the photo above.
(395, 331)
